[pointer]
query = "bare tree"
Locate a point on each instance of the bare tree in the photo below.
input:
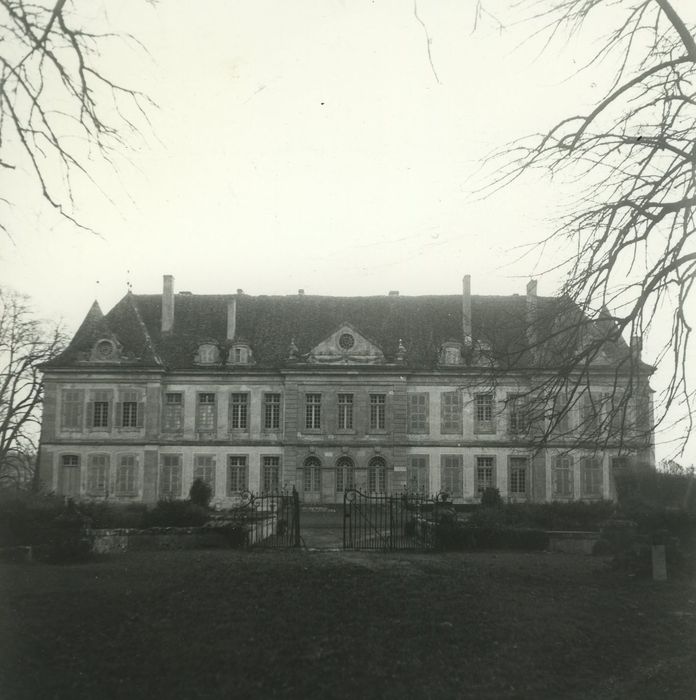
(628, 236)
(59, 110)
(25, 342)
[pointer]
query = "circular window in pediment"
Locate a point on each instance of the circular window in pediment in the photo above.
(346, 341)
(105, 349)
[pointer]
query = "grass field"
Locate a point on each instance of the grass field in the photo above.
(229, 624)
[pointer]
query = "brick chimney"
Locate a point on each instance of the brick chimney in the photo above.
(466, 309)
(167, 303)
(231, 318)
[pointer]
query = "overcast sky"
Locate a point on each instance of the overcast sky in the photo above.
(308, 144)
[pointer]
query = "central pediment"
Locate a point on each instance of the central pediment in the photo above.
(346, 345)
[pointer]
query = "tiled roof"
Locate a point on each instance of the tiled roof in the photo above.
(269, 324)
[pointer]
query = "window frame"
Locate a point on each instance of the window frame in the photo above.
(77, 404)
(513, 468)
(311, 474)
(378, 412)
(121, 468)
(199, 412)
(98, 486)
(597, 474)
(451, 405)
(418, 415)
(239, 412)
(271, 411)
(243, 471)
(199, 469)
(166, 412)
(312, 420)
(420, 466)
(452, 463)
(271, 473)
(484, 403)
(563, 470)
(172, 470)
(345, 412)
(480, 484)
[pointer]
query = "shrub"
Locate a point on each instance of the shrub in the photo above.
(200, 493)
(456, 536)
(490, 498)
(103, 515)
(28, 519)
(175, 514)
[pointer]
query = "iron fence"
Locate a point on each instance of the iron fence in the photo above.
(269, 519)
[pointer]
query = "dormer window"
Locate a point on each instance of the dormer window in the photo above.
(239, 354)
(208, 354)
(104, 350)
(451, 353)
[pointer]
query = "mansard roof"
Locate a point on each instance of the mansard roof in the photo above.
(270, 324)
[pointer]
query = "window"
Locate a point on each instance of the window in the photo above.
(128, 412)
(313, 412)
(377, 475)
(239, 355)
(239, 411)
(70, 475)
(452, 476)
(205, 416)
(418, 409)
(271, 411)
(71, 409)
(378, 404)
(517, 414)
(483, 413)
(208, 354)
(312, 475)
(417, 480)
(204, 469)
(345, 474)
(271, 474)
(100, 409)
(562, 477)
(485, 474)
(590, 414)
(345, 411)
(346, 341)
(98, 474)
(173, 412)
(517, 479)
(591, 477)
(126, 476)
(451, 413)
(170, 476)
(237, 474)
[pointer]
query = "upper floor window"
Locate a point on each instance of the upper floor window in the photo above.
(517, 414)
(483, 413)
(205, 412)
(378, 409)
(129, 413)
(271, 411)
(71, 409)
(418, 410)
(451, 413)
(173, 416)
(590, 415)
(313, 411)
(100, 409)
(345, 411)
(239, 411)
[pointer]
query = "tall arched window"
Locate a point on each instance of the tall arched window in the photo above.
(345, 473)
(312, 475)
(377, 475)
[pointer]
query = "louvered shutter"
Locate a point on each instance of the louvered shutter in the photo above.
(118, 416)
(89, 418)
(140, 415)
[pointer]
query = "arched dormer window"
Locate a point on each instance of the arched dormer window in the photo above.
(451, 353)
(208, 354)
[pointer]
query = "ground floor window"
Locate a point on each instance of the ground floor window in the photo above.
(345, 474)
(312, 475)
(204, 469)
(170, 476)
(98, 475)
(518, 480)
(452, 476)
(417, 477)
(485, 474)
(237, 474)
(377, 475)
(126, 476)
(591, 477)
(70, 475)
(562, 477)
(271, 474)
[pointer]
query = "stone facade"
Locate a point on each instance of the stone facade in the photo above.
(321, 393)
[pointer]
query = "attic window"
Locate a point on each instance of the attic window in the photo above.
(240, 354)
(207, 354)
(346, 341)
(105, 350)
(451, 354)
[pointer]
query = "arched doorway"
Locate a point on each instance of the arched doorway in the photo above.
(311, 480)
(377, 475)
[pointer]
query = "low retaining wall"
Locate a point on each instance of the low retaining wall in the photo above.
(572, 542)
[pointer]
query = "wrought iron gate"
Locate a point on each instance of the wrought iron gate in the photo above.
(269, 519)
(389, 522)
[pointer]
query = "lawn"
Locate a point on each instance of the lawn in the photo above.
(228, 624)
